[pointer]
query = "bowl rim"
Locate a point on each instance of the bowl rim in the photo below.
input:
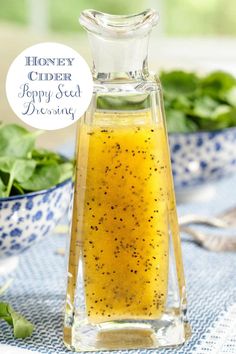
(202, 132)
(35, 193)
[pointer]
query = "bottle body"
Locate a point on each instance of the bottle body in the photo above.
(125, 282)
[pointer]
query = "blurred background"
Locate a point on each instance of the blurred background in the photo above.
(198, 35)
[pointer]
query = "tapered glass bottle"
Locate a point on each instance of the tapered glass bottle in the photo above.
(125, 276)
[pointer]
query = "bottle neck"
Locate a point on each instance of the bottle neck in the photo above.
(119, 57)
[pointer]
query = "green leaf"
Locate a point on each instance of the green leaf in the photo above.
(22, 328)
(226, 118)
(4, 177)
(181, 103)
(177, 122)
(5, 313)
(42, 155)
(16, 189)
(179, 82)
(24, 168)
(223, 117)
(44, 177)
(217, 84)
(16, 141)
(7, 163)
(2, 189)
(18, 169)
(230, 96)
(199, 104)
(204, 107)
(66, 171)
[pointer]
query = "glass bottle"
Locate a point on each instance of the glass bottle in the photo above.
(125, 276)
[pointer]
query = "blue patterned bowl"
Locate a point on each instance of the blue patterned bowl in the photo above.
(202, 157)
(26, 219)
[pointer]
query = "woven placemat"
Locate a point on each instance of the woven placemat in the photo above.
(38, 291)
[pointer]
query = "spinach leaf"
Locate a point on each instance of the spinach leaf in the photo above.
(226, 118)
(204, 107)
(179, 82)
(18, 169)
(193, 103)
(230, 96)
(42, 155)
(66, 171)
(44, 177)
(16, 141)
(177, 121)
(22, 328)
(181, 103)
(2, 189)
(24, 168)
(16, 189)
(220, 119)
(217, 84)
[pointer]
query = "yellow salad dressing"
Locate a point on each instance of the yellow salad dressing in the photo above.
(123, 217)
